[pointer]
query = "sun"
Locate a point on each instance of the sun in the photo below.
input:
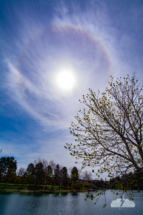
(65, 80)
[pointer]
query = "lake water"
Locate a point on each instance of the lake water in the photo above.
(41, 204)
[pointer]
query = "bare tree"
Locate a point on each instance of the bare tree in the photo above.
(21, 171)
(70, 171)
(87, 175)
(45, 163)
(52, 164)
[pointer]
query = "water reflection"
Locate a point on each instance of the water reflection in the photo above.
(64, 193)
(56, 194)
(64, 203)
(74, 193)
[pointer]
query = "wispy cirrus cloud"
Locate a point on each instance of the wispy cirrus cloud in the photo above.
(93, 39)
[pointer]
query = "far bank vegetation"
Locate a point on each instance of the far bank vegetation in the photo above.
(48, 176)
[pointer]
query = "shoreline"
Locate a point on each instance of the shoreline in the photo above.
(42, 191)
(48, 191)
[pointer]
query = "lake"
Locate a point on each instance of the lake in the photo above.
(68, 203)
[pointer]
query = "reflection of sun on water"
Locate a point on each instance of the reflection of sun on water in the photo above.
(65, 80)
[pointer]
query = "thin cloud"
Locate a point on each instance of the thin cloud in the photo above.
(88, 40)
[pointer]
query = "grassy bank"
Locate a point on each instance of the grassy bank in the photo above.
(36, 189)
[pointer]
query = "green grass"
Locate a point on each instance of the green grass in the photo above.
(29, 187)
(8, 186)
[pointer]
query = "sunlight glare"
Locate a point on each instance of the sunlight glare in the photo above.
(65, 80)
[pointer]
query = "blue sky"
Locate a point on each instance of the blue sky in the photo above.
(41, 40)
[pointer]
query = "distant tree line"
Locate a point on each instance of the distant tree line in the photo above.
(42, 172)
(130, 181)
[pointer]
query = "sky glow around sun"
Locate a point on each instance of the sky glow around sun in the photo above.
(65, 80)
(55, 67)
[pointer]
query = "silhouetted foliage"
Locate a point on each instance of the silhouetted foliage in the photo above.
(39, 174)
(57, 174)
(31, 169)
(74, 174)
(64, 176)
(8, 166)
(48, 173)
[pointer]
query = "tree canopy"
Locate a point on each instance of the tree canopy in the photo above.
(110, 133)
(7, 163)
(74, 174)
(8, 166)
